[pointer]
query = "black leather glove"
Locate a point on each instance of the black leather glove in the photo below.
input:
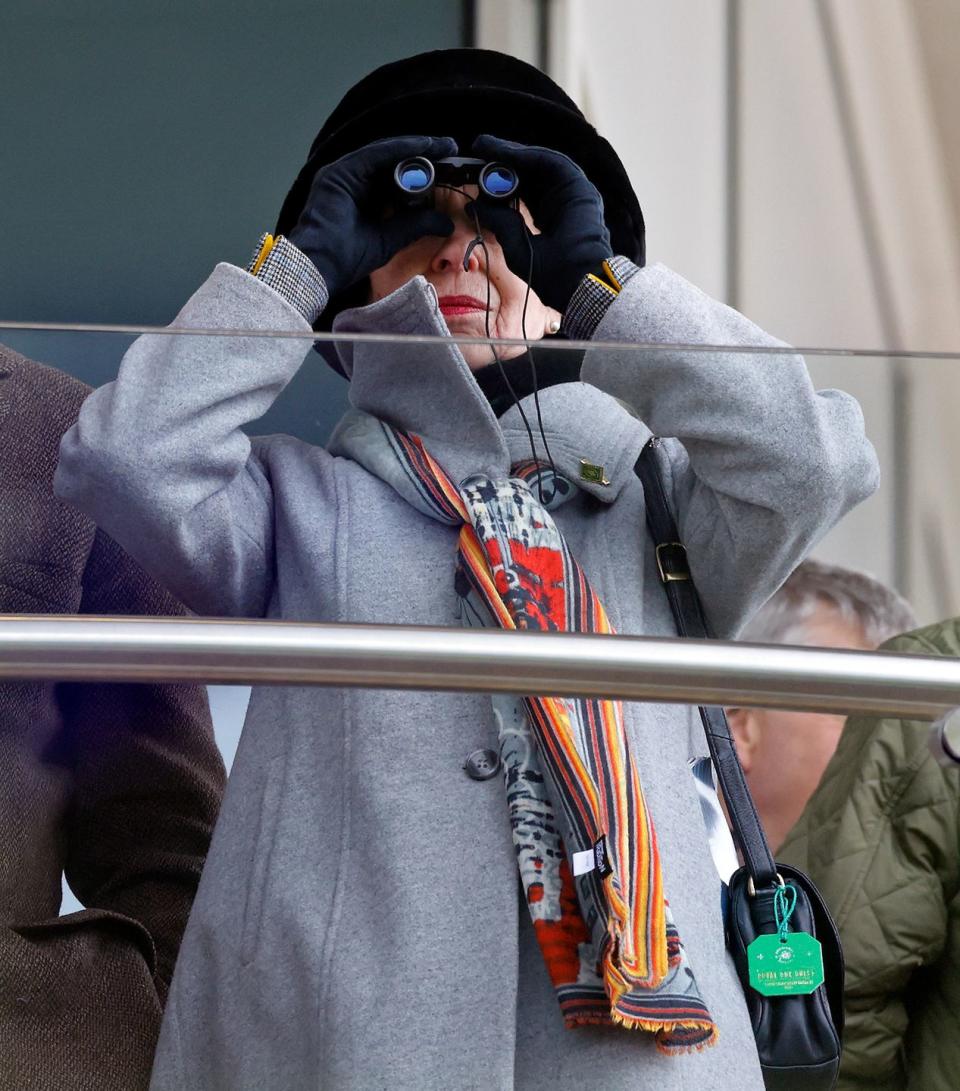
(566, 208)
(343, 229)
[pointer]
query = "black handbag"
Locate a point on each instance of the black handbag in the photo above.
(798, 1035)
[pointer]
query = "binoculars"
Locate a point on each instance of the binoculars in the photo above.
(417, 177)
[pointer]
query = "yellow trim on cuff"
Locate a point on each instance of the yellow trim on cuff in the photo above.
(602, 283)
(612, 277)
(269, 242)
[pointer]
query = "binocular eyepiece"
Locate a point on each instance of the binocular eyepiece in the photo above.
(417, 177)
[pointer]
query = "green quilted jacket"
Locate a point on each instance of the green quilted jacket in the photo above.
(881, 839)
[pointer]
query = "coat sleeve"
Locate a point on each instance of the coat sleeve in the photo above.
(763, 464)
(879, 839)
(148, 776)
(159, 460)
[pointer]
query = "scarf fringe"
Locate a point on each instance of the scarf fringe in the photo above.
(679, 1050)
(663, 1030)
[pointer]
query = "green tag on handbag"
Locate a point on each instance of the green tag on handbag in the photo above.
(785, 967)
(786, 963)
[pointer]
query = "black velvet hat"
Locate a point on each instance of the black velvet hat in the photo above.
(463, 93)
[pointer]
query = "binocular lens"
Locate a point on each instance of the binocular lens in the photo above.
(498, 180)
(414, 175)
(417, 176)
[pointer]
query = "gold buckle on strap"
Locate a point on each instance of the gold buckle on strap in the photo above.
(672, 562)
(752, 890)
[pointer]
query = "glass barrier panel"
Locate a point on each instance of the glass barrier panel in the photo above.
(718, 400)
(767, 458)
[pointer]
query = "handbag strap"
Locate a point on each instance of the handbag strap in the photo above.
(691, 622)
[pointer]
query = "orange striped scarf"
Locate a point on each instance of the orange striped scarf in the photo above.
(585, 841)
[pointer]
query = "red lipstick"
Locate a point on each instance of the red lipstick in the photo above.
(460, 304)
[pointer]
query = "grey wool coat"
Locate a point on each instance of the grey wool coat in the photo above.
(358, 924)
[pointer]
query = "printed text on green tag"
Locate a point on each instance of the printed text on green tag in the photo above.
(785, 967)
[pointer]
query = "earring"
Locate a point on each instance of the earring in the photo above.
(554, 326)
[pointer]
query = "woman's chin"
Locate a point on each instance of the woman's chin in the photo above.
(468, 323)
(477, 356)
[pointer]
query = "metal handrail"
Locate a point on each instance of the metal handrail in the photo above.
(71, 648)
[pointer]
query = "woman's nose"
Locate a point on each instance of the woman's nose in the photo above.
(455, 251)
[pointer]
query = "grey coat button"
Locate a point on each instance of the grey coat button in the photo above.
(482, 764)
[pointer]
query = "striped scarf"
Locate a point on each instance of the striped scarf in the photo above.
(585, 842)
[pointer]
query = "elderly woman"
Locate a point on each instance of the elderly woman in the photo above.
(358, 923)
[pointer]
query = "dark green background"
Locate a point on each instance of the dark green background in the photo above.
(142, 143)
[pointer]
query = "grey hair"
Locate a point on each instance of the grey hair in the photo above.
(856, 597)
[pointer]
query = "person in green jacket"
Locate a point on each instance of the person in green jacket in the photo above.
(881, 839)
(785, 753)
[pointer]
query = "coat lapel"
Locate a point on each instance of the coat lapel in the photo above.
(423, 388)
(593, 440)
(427, 388)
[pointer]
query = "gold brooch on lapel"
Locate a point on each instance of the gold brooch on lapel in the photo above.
(590, 472)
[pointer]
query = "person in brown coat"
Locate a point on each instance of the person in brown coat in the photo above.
(117, 786)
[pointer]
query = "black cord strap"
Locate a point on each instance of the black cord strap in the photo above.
(691, 622)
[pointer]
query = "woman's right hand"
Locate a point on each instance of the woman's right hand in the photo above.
(343, 228)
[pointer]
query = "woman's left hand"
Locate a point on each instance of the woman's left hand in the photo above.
(567, 210)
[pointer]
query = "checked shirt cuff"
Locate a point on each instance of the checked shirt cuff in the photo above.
(593, 295)
(291, 274)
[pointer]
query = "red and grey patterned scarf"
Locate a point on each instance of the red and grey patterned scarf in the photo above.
(585, 841)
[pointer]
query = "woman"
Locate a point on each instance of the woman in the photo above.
(358, 922)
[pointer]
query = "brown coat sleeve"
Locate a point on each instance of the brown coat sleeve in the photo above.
(116, 785)
(148, 776)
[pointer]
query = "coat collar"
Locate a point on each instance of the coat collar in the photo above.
(429, 390)
(594, 441)
(426, 389)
